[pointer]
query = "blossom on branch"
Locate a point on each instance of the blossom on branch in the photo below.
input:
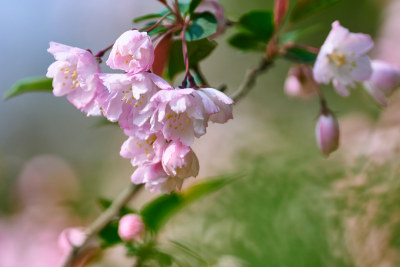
(75, 74)
(343, 59)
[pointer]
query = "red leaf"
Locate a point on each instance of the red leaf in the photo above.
(161, 53)
(280, 10)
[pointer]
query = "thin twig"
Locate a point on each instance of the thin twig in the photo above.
(101, 221)
(250, 79)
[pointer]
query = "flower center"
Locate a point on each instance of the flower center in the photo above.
(338, 57)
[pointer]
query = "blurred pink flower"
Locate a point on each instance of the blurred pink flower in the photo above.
(342, 59)
(384, 80)
(300, 82)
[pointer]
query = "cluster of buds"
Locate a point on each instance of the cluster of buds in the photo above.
(161, 121)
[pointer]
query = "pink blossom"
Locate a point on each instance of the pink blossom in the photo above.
(75, 74)
(132, 52)
(127, 96)
(144, 150)
(342, 59)
(223, 113)
(131, 227)
(327, 133)
(180, 161)
(182, 114)
(300, 82)
(156, 179)
(215, 8)
(384, 80)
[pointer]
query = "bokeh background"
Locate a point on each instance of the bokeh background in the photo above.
(293, 207)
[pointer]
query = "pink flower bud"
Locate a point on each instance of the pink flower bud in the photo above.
(300, 82)
(384, 80)
(327, 133)
(71, 237)
(281, 8)
(131, 227)
(180, 161)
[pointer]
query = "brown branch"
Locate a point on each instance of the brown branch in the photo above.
(250, 79)
(122, 199)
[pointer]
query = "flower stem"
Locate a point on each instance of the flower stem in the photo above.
(122, 199)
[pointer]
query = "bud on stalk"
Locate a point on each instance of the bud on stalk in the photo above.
(131, 227)
(327, 132)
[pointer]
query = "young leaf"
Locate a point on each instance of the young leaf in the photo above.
(197, 51)
(146, 17)
(193, 5)
(259, 23)
(161, 53)
(300, 55)
(203, 25)
(304, 8)
(27, 85)
(246, 42)
(156, 213)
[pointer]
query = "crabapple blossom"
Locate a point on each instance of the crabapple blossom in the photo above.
(145, 150)
(300, 82)
(343, 59)
(384, 80)
(75, 74)
(156, 179)
(180, 161)
(126, 97)
(132, 52)
(327, 133)
(182, 114)
(131, 227)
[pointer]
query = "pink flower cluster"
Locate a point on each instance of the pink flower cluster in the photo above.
(160, 121)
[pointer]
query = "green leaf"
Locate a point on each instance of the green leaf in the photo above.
(147, 17)
(28, 85)
(300, 55)
(203, 25)
(260, 23)
(109, 235)
(157, 212)
(304, 8)
(296, 35)
(193, 5)
(246, 42)
(197, 51)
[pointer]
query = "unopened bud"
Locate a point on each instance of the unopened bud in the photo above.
(180, 161)
(70, 238)
(300, 82)
(384, 80)
(131, 227)
(280, 10)
(327, 133)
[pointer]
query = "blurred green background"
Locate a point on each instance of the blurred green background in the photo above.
(286, 210)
